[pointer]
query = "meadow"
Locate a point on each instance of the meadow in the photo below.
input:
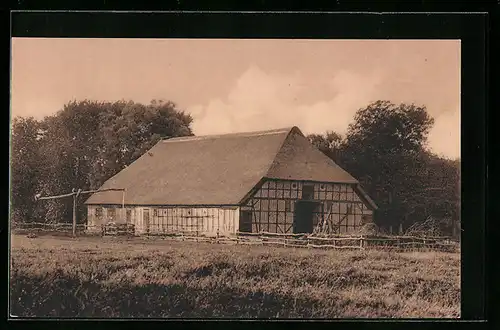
(119, 277)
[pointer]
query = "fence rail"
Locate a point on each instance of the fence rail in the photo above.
(341, 242)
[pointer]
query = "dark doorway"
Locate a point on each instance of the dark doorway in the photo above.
(303, 216)
(246, 222)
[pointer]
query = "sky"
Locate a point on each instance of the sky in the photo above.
(237, 85)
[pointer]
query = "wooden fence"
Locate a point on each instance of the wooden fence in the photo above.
(109, 229)
(358, 242)
(314, 241)
(346, 242)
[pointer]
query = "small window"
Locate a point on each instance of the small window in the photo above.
(322, 187)
(189, 212)
(366, 218)
(294, 185)
(308, 192)
(155, 212)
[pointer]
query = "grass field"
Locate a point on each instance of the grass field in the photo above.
(113, 277)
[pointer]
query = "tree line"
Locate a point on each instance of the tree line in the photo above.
(82, 146)
(385, 148)
(87, 142)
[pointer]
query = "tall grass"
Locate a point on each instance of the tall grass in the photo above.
(98, 277)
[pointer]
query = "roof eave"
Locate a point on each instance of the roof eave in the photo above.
(252, 191)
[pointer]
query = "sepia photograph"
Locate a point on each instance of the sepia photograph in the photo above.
(235, 178)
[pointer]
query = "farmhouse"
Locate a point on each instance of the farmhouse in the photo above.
(268, 181)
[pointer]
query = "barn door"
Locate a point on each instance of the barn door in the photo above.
(145, 219)
(246, 221)
(128, 218)
(303, 216)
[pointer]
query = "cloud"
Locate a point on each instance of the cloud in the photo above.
(261, 100)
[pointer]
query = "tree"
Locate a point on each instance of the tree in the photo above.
(24, 173)
(83, 145)
(385, 149)
(69, 147)
(383, 128)
(331, 144)
(135, 128)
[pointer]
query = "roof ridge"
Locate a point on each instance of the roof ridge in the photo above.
(236, 134)
(315, 156)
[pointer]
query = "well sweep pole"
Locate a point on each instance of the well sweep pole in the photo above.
(124, 216)
(74, 212)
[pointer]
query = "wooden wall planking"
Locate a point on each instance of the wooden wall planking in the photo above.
(205, 220)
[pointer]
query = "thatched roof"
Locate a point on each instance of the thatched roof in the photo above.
(218, 169)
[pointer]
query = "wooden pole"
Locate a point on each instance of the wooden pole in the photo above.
(74, 213)
(81, 192)
(55, 197)
(124, 216)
